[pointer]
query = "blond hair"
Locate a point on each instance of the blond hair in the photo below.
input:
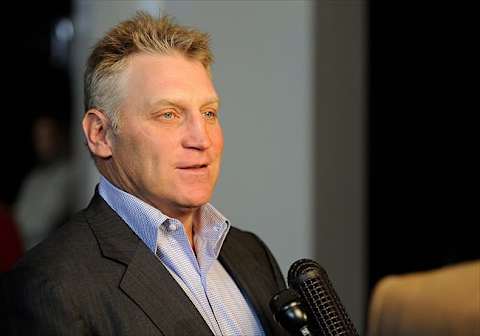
(141, 34)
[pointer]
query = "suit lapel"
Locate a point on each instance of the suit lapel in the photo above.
(250, 277)
(151, 286)
(146, 281)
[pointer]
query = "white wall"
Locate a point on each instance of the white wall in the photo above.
(277, 180)
(263, 74)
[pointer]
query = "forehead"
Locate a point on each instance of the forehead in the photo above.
(154, 77)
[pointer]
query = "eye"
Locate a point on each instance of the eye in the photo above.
(210, 115)
(169, 115)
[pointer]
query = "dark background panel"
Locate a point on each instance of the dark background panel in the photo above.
(421, 137)
(34, 84)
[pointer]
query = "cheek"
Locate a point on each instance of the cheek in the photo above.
(158, 156)
(217, 140)
(127, 156)
(131, 150)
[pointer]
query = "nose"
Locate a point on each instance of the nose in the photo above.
(196, 133)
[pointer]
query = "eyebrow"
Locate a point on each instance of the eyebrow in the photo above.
(178, 103)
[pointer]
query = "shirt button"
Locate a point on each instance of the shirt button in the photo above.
(217, 228)
(172, 227)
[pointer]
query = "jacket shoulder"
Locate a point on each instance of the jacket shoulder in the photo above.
(258, 250)
(66, 246)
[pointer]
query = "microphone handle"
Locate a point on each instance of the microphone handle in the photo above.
(311, 281)
(289, 311)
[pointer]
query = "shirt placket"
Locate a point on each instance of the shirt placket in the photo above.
(180, 259)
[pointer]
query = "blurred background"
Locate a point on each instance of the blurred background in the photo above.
(348, 128)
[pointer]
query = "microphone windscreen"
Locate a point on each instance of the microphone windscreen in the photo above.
(311, 281)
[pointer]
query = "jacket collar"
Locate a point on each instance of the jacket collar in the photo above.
(252, 278)
(146, 281)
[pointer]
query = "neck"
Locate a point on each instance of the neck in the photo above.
(188, 216)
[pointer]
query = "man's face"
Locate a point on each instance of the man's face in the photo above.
(169, 143)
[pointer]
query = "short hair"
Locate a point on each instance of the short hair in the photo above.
(141, 34)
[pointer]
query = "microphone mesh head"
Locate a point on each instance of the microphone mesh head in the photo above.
(309, 279)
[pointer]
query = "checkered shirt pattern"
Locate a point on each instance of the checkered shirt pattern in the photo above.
(201, 276)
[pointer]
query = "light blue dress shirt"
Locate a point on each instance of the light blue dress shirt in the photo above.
(201, 276)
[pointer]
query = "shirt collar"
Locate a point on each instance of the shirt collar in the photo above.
(145, 220)
(212, 230)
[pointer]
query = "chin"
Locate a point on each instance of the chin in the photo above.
(195, 200)
(197, 203)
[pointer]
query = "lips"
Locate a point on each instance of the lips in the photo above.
(193, 170)
(192, 166)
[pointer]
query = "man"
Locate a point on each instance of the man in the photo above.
(43, 203)
(149, 255)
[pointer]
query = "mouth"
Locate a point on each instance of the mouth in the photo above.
(193, 167)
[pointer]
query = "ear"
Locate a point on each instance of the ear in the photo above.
(96, 127)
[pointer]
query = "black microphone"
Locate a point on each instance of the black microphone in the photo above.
(311, 281)
(288, 310)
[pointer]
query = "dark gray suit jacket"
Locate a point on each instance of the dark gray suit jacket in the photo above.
(95, 276)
